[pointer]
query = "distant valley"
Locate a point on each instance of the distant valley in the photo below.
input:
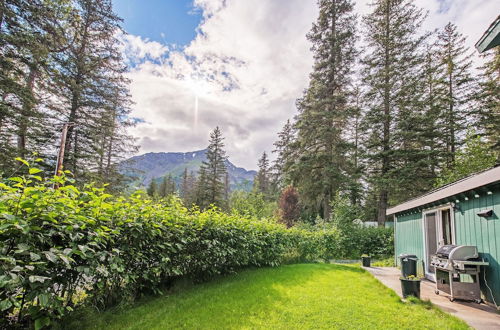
(155, 165)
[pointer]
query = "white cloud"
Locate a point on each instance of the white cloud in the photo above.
(244, 70)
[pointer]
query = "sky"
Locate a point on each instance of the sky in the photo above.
(236, 64)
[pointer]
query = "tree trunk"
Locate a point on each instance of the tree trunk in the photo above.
(382, 208)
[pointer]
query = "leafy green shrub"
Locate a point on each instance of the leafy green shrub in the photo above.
(251, 204)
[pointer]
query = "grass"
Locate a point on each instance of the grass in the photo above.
(305, 296)
(387, 262)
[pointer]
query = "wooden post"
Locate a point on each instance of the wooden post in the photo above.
(60, 156)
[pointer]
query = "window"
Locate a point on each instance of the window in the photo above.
(446, 227)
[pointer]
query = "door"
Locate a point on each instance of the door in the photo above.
(439, 230)
(431, 241)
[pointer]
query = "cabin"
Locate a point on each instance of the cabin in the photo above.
(465, 212)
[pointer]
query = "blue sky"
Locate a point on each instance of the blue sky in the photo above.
(164, 21)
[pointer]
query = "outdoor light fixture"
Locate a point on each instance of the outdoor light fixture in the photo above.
(485, 213)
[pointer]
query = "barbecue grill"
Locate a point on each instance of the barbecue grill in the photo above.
(457, 271)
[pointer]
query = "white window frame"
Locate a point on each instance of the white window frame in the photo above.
(439, 232)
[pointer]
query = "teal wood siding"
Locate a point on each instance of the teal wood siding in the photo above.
(484, 233)
(409, 235)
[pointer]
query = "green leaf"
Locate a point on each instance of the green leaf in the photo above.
(50, 256)
(34, 256)
(23, 247)
(17, 269)
(35, 278)
(5, 304)
(44, 299)
(22, 161)
(35, 170)
(42, 322)
(16, 179)
(10, 217)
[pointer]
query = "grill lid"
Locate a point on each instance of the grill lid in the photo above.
(445, 250)
(457, 252)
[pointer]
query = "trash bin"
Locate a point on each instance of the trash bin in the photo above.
(408, 265)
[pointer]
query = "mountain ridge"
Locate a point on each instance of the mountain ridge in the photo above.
(141, 169)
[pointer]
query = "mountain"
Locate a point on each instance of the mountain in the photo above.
(155, 165)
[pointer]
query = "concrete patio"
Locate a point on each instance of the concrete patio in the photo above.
(478, 316)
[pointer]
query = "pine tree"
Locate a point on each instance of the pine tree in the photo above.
(475, 156)
(283, 150)
(213, 172)
(167, 186)
(489, 102)
(227, 187)
(30, 32)
(153, 188)
(60, 61)
(262, 178)
(185, 186)
(455, 61)
(391, 77)
(432, 111)
(355, 167)
(320, 171)
(93, 92)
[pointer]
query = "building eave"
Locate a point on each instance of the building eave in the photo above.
(490, 38)
(472, 182)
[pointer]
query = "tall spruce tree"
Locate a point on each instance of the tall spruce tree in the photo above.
(489, 101)
(152, 189)
(283, 150)
(167, 186)
(94, 93)
(320, 171)
(355, 136)
(432, 110)
(262, 178)
(213, 173)
(30, 32)
(60, 61)
(457, 83)
(391, 74)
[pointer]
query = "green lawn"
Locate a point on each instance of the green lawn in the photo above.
(307, 296)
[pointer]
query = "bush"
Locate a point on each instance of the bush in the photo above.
(251, 204)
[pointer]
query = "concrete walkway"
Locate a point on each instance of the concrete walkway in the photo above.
(478, 316)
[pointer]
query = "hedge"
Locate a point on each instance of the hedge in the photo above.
(63, 247)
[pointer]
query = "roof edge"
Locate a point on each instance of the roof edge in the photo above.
(471, 182)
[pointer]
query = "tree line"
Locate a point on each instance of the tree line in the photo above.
(384, 123)
(208, 187)
(60, 62)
